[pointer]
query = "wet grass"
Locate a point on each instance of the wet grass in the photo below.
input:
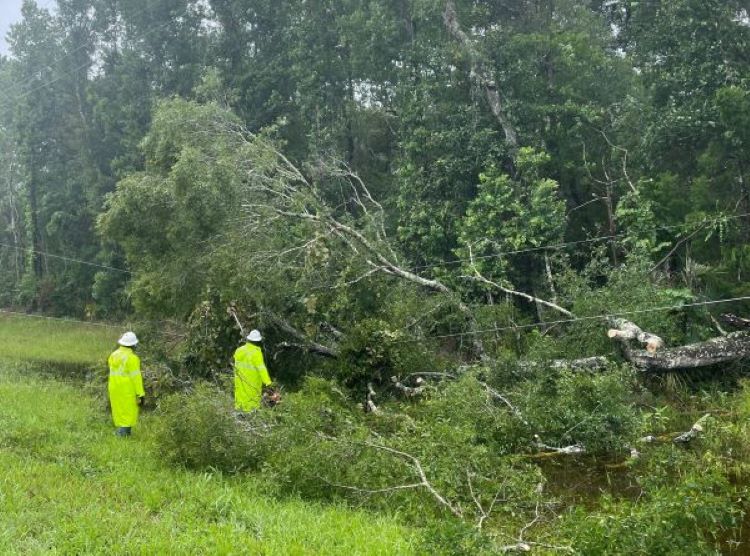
(69, 486)
(26, 338)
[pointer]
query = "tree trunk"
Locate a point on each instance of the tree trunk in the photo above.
(481, 74)
(701, 354)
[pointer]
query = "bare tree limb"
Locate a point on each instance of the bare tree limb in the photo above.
(694, 431)
(408, 391)
(527, 297)
(483, 514)
(498, 396)
(625, 330)
(370, 406)
(431, 375)
(566, 450)
(676, 247)
(307, 344)
(415, 465)
(718, 326)
(595, 363)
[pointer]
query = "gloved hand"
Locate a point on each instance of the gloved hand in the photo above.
(141, 400)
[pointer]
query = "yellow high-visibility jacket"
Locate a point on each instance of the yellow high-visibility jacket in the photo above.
(125, 386)
(250, 374)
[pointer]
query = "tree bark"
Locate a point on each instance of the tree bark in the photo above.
(625, 330)
(701, 354)
(734, 320)
(307, 344)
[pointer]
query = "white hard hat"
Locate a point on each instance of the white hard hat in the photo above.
(254, 336)
(128, 339)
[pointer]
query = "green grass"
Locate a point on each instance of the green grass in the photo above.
(36, 339)
(69, 486)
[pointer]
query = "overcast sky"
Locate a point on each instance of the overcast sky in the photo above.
(10, 12)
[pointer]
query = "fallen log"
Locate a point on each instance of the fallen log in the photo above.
(596, 363)
(700, 354)
(734, 320)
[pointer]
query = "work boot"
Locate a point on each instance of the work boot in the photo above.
(123, 431)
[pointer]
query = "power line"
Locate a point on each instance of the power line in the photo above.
(87, 322)
(553, 247)
(17, 88)
(60, 319)
(558, 246)
(70, 259)
(442, 263)
(582, 319)
(461, 334)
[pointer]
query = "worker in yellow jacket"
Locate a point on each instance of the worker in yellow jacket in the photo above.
(250, 374)
(125, 386)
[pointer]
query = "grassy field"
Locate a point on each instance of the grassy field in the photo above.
(69, 486)
(36, 339)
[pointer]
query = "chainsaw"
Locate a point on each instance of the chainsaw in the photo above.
(271, 396)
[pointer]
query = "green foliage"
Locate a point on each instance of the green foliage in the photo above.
(159, 216)
(454, 538)
(212, 338)
(512, 214)
(632, 120)
(569, 407)
(635, 215)
(199, 429)
(318, 444)
(374, 351)
(688, 514)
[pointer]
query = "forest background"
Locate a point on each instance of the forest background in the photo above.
(432, 210)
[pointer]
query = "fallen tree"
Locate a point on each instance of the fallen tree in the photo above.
(724, 349)
(278, 190)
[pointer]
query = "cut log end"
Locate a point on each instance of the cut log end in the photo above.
(654, 344)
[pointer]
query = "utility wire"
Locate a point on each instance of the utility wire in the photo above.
(582, 319)
(558, 246)
(19, 87)
(552, 247)
(61, 257)
(463, 334)
(59, 319)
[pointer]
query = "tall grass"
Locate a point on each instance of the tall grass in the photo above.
(68, 486)
(35, 339)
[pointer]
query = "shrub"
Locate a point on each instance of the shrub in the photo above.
(373, 351)
(199, 429)
(455, 538)
(313, 443)
(569, 407)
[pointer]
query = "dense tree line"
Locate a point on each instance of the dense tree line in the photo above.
(632, 116)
